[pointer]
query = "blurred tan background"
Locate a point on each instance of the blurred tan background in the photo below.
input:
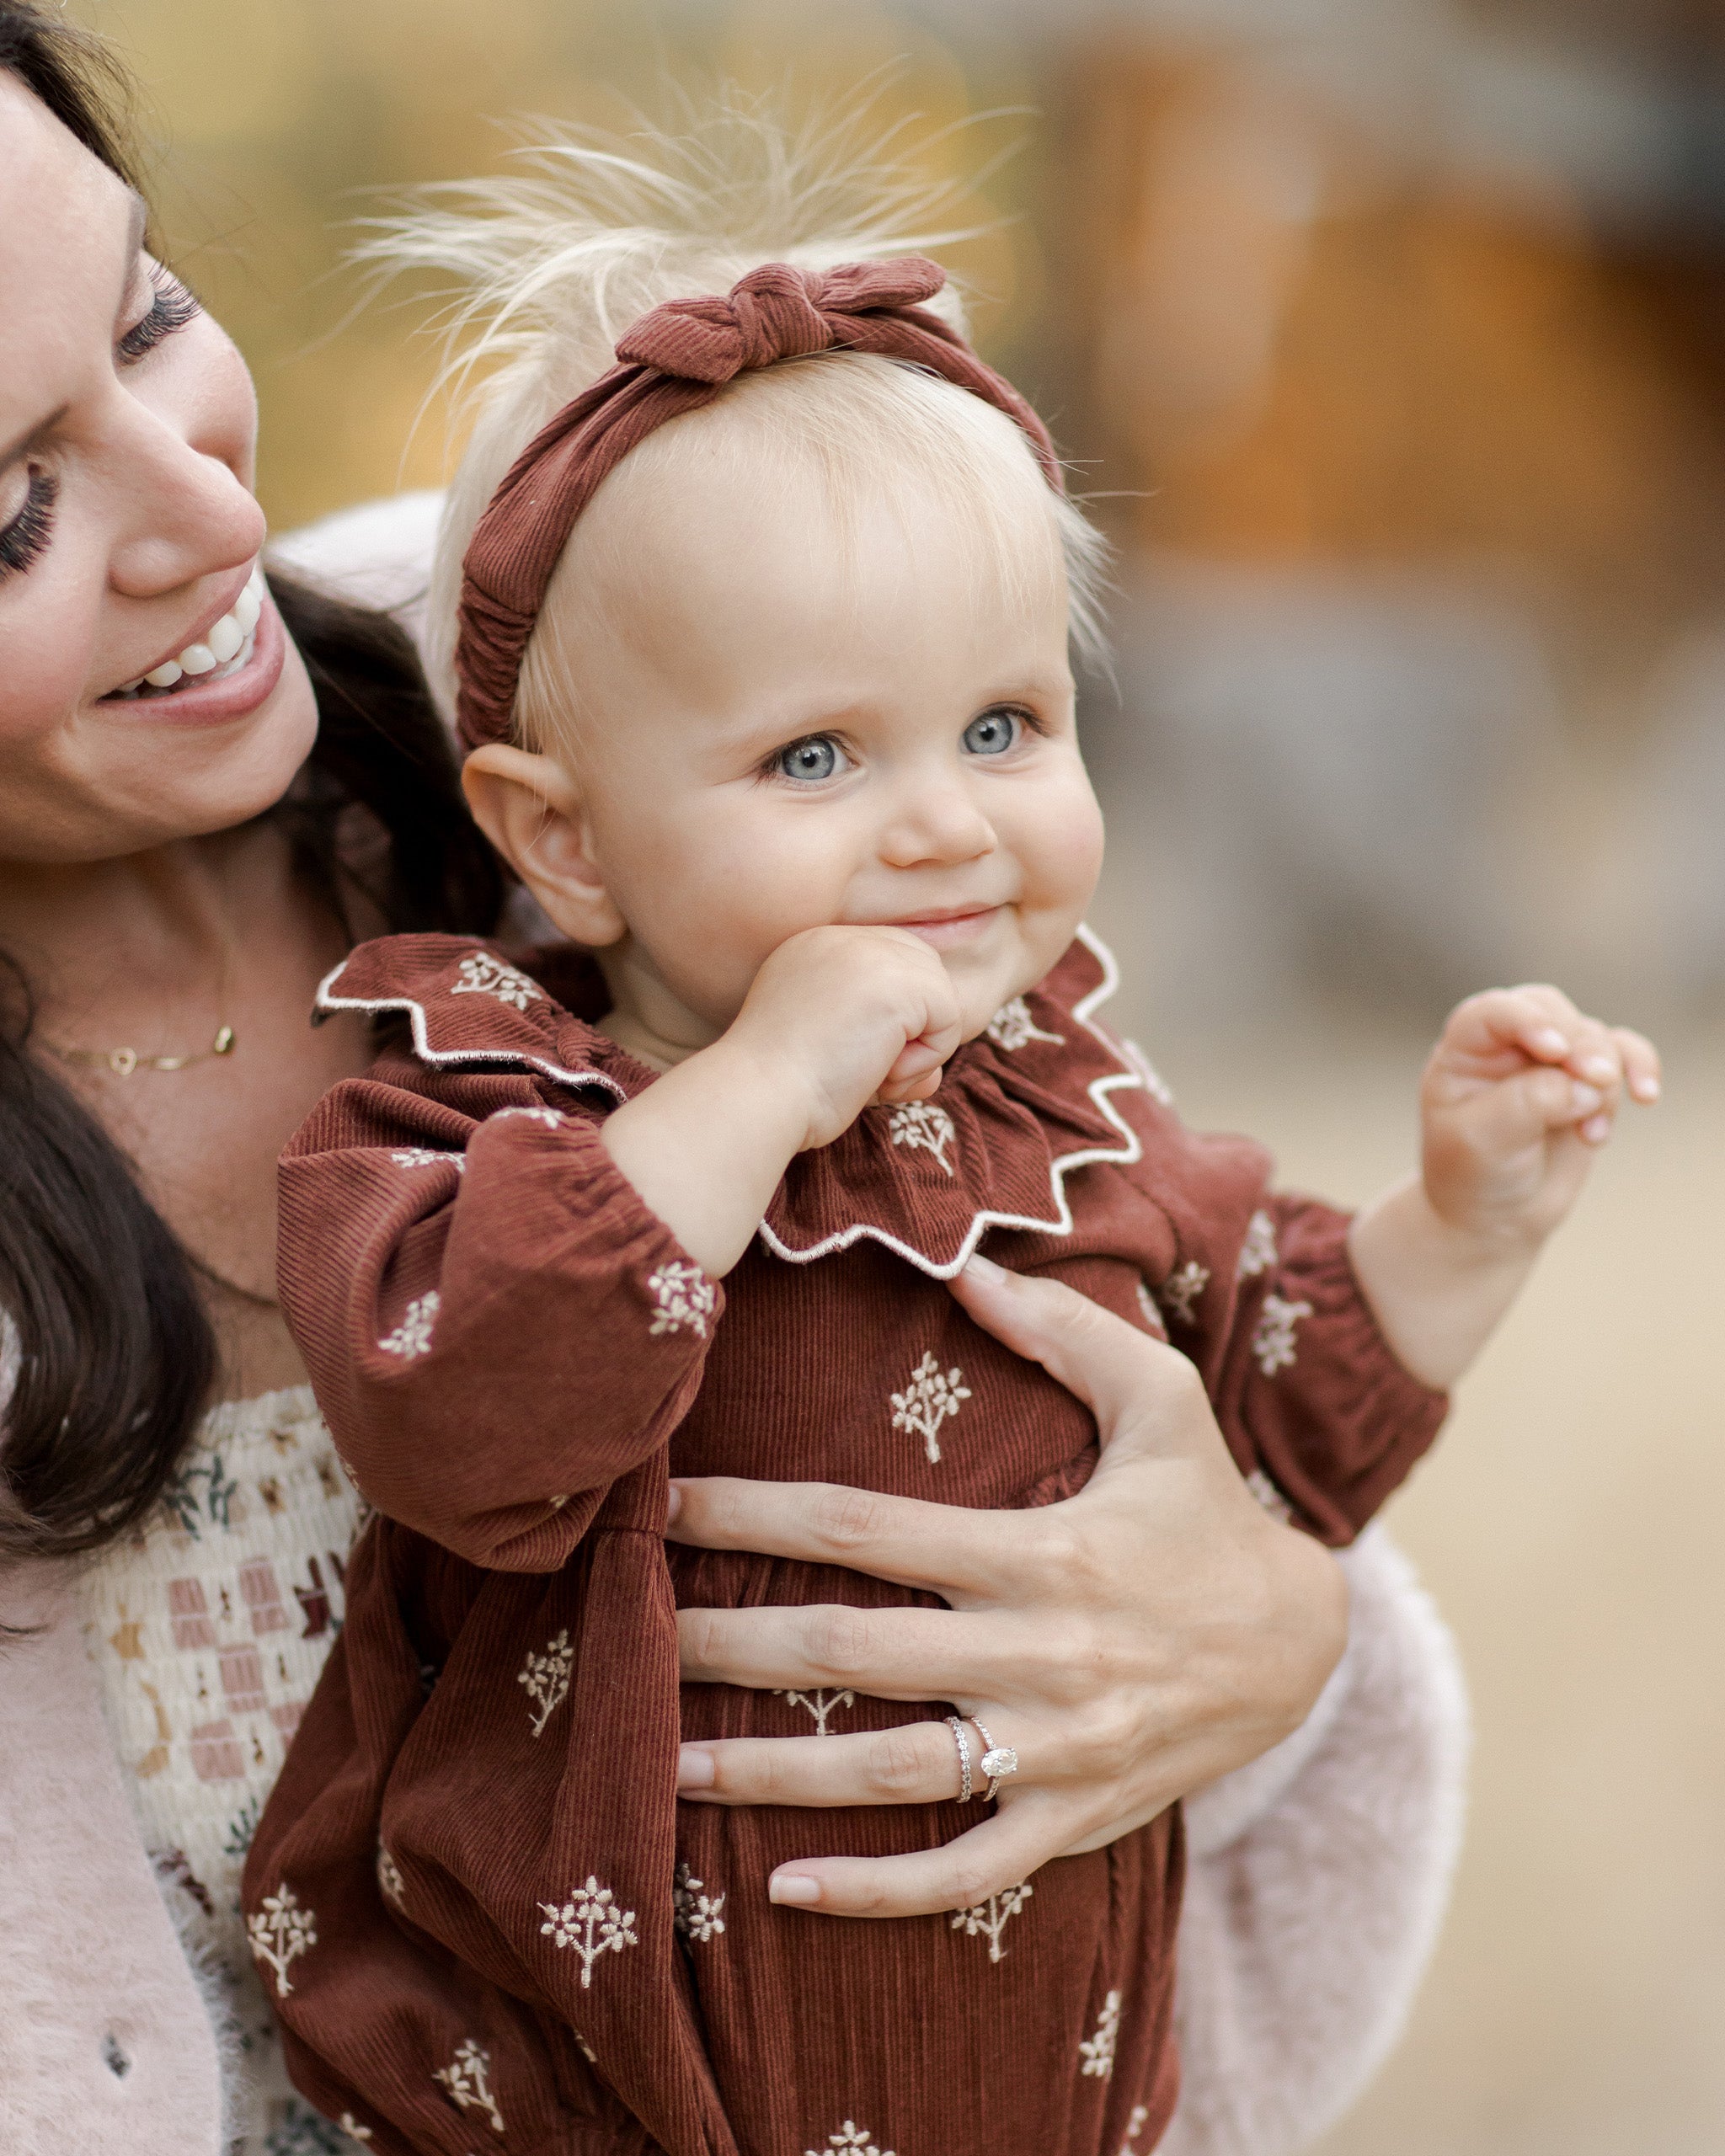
(1393, 332)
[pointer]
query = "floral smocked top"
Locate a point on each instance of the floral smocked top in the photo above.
(483, 1917)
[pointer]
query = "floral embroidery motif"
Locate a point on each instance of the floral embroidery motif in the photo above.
(591, 1923)
(1098, 2051)
(548, 1117)
(1273, 1342)
(427, 1156)
(411, 1337)
(988, 1920)
(850, 2136)
(1257, 1253)
(1182, 1289)
(924, 1129)
(695, 1911)
(546, 1679)
(1148, 1310)
(389, 1878)
(468, 2077)
(821, 1705)
(931, 1395)
(1146, 1074)
(1267, 1495)
(215, 1506)
(352, 2128)
(1013, 1025)
(685, 1297)
(1135, 2127)
(482, 974)
(279, 1931)
(587, 2050)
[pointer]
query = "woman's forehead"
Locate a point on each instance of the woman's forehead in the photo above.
(69, 233)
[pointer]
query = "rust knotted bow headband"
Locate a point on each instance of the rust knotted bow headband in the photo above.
(675, 360)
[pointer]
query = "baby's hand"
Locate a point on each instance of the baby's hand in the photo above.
(850, 1015)
(1520, 1092)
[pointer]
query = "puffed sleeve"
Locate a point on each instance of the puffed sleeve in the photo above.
(1317, 1410)
(498, 1328)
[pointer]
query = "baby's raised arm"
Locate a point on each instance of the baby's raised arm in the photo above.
(837, 1017)
(1519, 1093)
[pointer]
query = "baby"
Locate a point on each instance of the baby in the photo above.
(761, 656)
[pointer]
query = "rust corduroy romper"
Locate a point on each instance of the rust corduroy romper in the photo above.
(487, 1922)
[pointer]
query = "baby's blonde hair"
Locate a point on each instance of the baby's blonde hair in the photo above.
(553, 262)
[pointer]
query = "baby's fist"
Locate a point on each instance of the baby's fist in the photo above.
(1520, 1092)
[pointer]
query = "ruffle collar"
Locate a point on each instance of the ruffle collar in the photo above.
(1019, 1109)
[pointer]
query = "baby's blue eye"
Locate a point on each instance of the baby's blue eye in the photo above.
(812, 760)
(992, 734)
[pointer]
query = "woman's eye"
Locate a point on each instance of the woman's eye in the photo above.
(171, 309)
(27, 534)
(818, 757)
(993, 734)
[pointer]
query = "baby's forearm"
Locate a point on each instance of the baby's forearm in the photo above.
(705, 1146)
(1438, 1292)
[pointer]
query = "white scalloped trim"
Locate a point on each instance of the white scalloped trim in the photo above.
(1062, 1223)
(327, 1001)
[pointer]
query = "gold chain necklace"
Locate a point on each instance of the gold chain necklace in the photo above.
(123, 1061)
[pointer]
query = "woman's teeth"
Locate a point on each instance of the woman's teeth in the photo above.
(225, 647)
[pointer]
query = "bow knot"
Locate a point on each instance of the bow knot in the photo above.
(776, 313)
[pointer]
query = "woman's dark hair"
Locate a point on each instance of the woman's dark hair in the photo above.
(103, 1335)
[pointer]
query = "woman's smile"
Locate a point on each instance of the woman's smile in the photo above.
(223, 675)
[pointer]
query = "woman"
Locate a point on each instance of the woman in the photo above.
(206, 793)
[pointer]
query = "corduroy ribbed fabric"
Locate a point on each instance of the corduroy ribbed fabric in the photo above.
(509, 1934)
(675, 358)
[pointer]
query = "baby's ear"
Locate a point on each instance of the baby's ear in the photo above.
(534, 814)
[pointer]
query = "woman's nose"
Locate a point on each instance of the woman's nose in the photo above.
(935, 821)
(187, 513)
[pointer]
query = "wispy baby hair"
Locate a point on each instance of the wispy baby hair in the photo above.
(549, 265)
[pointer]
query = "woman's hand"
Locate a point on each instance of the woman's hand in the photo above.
(1130, 1644)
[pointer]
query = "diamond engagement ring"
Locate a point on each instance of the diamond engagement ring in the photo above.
(963, 1744)
(998, 1761)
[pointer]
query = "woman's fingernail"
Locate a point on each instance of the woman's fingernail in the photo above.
(1584, 1099)
(984, 1269)
(673, 1506)
(696, 1768)
(795, 1888)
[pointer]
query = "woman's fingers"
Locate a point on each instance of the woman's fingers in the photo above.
(915, 1764)
(892, 1654)
(993, 1859)
(946, 1548)
(1120, 1374)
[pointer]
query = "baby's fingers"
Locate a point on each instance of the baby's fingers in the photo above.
(1523, 1110)
(1502, 1026)
(1643, 1072)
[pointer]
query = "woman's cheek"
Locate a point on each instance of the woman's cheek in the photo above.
(43, 684)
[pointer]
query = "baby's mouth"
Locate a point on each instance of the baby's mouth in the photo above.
(225, 648)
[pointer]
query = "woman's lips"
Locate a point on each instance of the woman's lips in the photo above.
(951, 931)
(215, 699)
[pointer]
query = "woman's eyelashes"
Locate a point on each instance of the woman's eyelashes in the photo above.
(171, 306)
(25, 536)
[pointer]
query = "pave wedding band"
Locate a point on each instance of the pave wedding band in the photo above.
(998, 1761)
(963, 1744)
